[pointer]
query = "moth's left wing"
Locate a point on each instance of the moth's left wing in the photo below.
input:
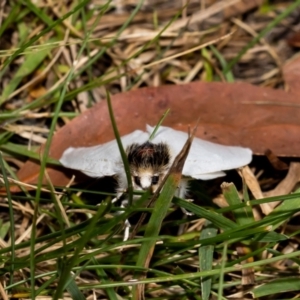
(101, 160)
(206, 160)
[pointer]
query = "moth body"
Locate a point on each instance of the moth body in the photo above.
(148, 163)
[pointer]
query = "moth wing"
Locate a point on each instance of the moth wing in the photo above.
(206, 160)
(101, 160)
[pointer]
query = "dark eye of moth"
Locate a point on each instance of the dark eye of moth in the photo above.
(155, 179)
(137, 180)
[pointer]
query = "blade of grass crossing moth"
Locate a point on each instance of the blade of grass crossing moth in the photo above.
(160, 210)
(152, 230)
(159, 124)
(242, 215)
(121, 149)
(155, 196)
(11, 219)
(206, 258)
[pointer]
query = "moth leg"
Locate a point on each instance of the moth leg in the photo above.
(187, 213)
(182, 190)
(119, 195)
(127, 224)
(126, 231)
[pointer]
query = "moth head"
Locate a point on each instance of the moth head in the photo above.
(149, 164)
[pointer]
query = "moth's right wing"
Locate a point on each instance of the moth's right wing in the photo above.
(101, 160)
(206, 160)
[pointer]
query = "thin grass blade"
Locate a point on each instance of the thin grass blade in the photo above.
(121, 149)
(206, 259)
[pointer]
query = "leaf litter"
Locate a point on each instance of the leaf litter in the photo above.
(260, 110)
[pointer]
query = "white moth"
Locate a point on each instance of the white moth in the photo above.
(150, 160)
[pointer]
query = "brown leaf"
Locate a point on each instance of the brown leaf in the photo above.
(230, 114)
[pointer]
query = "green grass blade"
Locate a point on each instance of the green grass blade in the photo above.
(222, 272)
(205, 254)
(110, 292)
(74, 291)
(23, 151)
(277, 286)
(38, 12)
(169, 186)
(228, 75)
(15, 10)
(242, 215)
(207, 65)
(154, 225)
(65, 277)
(218, 220)
(283, 212)
(121, 149)
(159, 124)
(44, 157)
(113, 41)
(31, 62)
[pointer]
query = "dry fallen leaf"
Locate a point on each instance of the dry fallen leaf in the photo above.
(230, 114)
